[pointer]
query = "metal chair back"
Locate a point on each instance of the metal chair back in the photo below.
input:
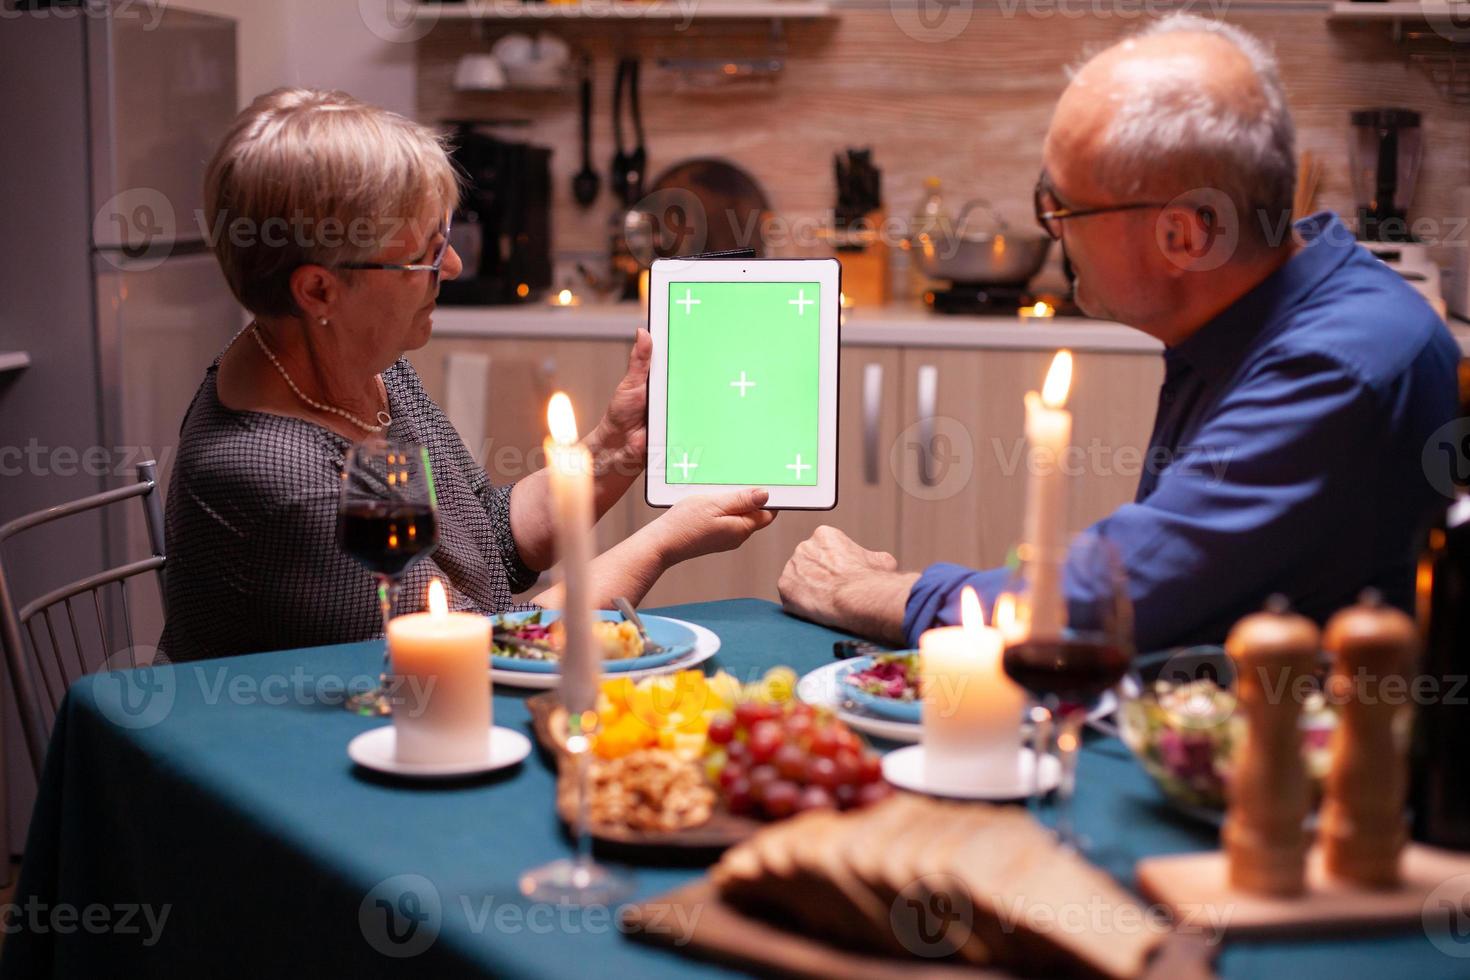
(42, 670)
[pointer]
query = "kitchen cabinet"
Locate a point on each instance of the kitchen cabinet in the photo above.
(961, 457)
(931, 457)
(518, 381)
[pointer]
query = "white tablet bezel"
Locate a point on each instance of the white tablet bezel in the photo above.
(828, 273)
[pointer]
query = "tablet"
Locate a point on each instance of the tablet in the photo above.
(742, 389)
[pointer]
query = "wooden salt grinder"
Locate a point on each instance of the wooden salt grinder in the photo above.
(1263, 837)
(1363, 828)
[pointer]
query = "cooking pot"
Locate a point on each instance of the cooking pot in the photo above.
(1001, 256)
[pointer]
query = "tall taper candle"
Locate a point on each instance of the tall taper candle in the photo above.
(1048, 433)
(570, 466)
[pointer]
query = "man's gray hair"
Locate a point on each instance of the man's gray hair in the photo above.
(1170, 140)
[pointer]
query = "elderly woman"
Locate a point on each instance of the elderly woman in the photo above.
(332, 220)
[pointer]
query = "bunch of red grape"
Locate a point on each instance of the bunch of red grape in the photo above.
(773, 760)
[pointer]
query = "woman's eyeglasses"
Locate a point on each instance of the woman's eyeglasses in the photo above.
(1050, 213)
(433, 267)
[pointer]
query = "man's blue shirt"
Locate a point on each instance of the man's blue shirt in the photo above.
(1290, 430)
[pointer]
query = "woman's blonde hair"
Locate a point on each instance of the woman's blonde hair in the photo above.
(313, 177)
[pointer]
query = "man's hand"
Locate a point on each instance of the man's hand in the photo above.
(619, 443)
(833, 580)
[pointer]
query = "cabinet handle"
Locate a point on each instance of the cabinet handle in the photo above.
(927, 401)
(872, 413)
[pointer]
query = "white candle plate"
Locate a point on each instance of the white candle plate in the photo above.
(904, 768)
(376, 749)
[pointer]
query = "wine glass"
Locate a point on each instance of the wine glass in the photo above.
(579, 880)
(1072, 641)
(387, 520)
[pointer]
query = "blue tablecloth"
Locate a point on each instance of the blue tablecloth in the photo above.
(216, 827)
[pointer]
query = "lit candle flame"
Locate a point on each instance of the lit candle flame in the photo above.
(1058, 380)
(561, 419)
(972, 614)
(564, 297)
(1005, 613)
(438, 602)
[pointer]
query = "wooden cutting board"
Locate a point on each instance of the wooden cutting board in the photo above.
(694, 920)
(1196, 888)
(722, 830)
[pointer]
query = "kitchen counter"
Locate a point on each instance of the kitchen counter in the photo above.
(883, 327)
(890, 326)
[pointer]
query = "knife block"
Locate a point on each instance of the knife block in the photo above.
(864, 258)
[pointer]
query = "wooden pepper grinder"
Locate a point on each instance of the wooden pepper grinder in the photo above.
(1263, 836)
(1374, 648)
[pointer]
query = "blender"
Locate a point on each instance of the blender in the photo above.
(1384, 154)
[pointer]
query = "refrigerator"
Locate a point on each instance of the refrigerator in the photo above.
(111, 113)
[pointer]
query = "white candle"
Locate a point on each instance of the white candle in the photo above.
(570, 466)
(442, 662)
(1048, 434)
(971, 710)
(1039, 311)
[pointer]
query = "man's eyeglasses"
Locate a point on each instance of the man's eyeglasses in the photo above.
(433, 267)
(1050, 213)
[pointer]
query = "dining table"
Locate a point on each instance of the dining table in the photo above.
(203, 819)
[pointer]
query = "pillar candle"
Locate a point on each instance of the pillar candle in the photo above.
(971, 711)
(570, 466)
(1048, 434)
(442, 661)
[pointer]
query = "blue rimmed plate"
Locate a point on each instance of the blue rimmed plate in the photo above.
(890, 708)
(676, 638)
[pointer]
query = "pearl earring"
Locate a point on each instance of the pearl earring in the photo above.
(324, 321)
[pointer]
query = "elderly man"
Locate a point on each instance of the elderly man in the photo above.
(1169, 170)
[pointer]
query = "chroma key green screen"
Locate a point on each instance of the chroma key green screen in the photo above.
(744, 383)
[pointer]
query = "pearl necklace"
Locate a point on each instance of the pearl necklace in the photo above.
(384, 419)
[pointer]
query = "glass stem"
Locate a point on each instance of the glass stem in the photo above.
(1069, 739)
(581, 738)
(387, 589)
(1040, 745)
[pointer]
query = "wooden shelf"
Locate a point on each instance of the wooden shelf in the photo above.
(1429, 10)
(627, 10)
(14, 360)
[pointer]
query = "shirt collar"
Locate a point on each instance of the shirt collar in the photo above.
(1216, 348)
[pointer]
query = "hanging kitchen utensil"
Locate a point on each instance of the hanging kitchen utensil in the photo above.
(585, 182)
(622, 161)
(639, 159)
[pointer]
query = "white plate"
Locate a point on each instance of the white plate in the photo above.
(904, 768)
(376, 750)
(823, 688)
(706, 645)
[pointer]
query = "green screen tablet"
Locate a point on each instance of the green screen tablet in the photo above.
(743, 384)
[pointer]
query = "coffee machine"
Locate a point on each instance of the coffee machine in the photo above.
(1385, 152)
(502, 228)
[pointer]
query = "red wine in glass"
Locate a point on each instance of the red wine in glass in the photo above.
(386, 536)
(1073, 670)
(386, 522)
